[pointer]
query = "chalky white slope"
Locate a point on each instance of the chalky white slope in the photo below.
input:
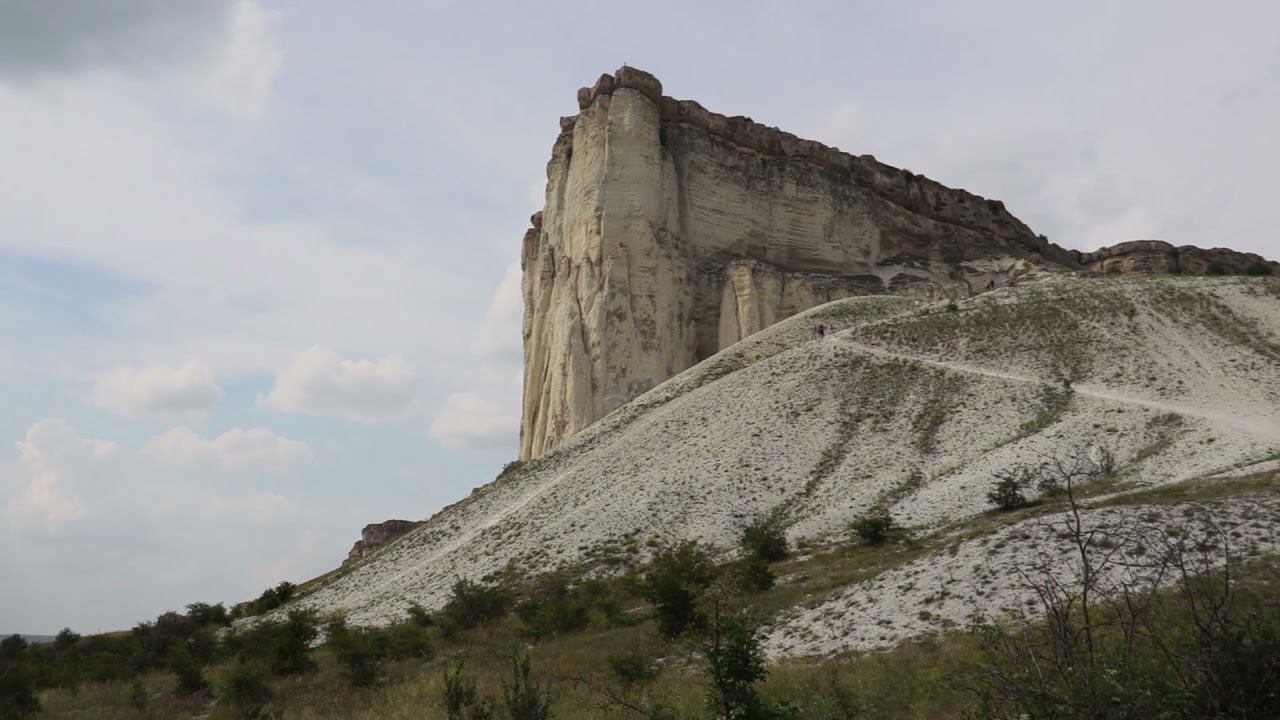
(910, 404)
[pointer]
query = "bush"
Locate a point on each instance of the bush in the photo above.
(1006, 493)
(1216, 269)
(461, 701)
(1257, 268)
(269, 600)
(206, 614)
(873, 527)
(183, 665)
(243, 688)
(676, 577)
(420, 615)
(12, 647)
(524, 698)
(754, 575)
(355, 651)
(17, 691)
(66, 639)
(403, 640)
(554, 607)
(632, 668)
(766, 540)
(285, 647)
(735, 662)
(473, 604)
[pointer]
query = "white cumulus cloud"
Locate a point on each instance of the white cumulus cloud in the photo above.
(245, 72)
(50, 451)
(235, 449)
(155, 390)
(469, 419)
(320, 382)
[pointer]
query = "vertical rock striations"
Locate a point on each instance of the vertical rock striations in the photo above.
(670, 232)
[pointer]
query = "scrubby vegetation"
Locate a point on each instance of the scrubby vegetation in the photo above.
(681, 637)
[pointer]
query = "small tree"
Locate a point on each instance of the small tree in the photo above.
(243, 688)
(765, 539)
(66, 639)
(523, 697)
(17, 692)
(1006, 493)
(12, 647)
(355, 652)
(874, 526)
(461, 701)
(676, 577)
(735, 662)
(472, 604)
(185, 667)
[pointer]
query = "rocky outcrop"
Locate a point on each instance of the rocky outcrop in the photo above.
(378, 535)
(1156, 257)
(670, 232)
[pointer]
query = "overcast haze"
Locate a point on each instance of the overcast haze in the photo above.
(259, 276)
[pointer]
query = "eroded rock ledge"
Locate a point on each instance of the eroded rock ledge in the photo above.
(1156, 257)
(375, 536)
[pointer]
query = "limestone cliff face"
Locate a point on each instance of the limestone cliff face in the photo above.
(1156, 257)
(670, 232)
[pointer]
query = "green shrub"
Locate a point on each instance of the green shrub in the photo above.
(473, 604)
(420, 615)
(355, 651)
(460, 699)
(206, 614)
(554, 607)
(244, 690)
(676, 577)
(765, 539)
(632, 668)
(735, 663)
(402, 640)
(66, 639)
(12, 647)
(523, 697)
(1006, 493)
(17, 691)
(1215, 269)
(285, 647)
(1257, 268)
(874, 526)
(753, 574)
(269, 600)
(185, 667)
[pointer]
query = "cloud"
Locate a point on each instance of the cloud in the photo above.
(500, 334)
(61, 37)
(233, 450)
(51, 450)
(245, 71)
(156, 390)
(319, 382)
(468, 419)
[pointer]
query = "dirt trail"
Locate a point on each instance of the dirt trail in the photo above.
(1255, 425)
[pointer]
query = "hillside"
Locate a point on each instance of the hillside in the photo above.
(914, 406)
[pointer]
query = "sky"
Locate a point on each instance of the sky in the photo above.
(259, 260)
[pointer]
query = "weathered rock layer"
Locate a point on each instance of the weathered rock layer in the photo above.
(376, 536)
(670, 232)
(1156, 257)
